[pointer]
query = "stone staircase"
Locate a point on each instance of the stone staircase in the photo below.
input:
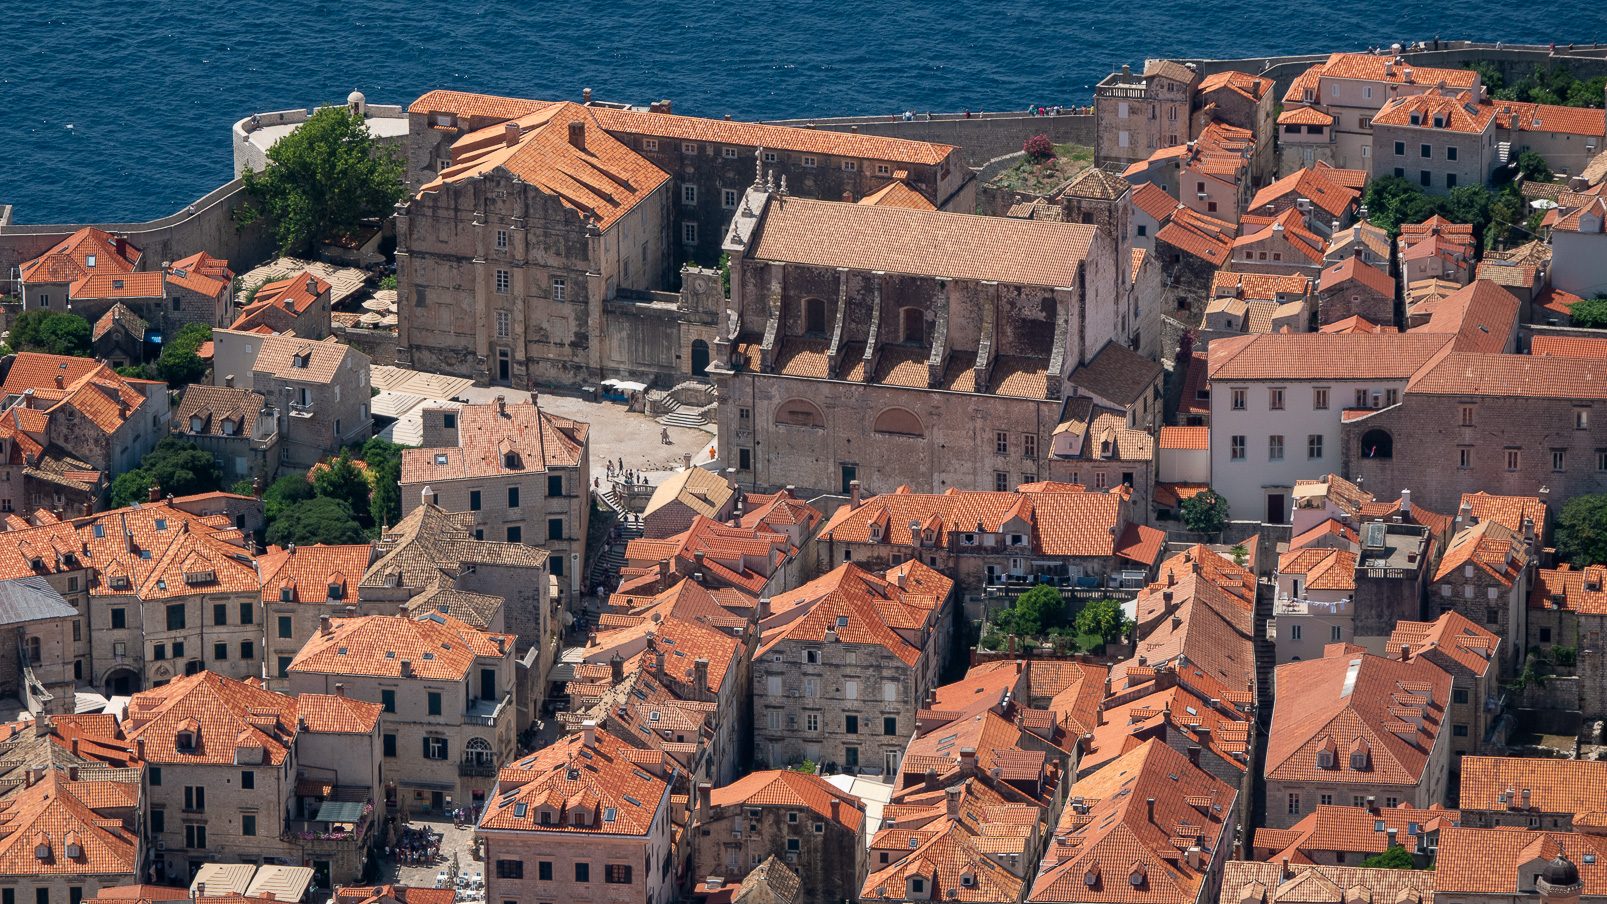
(612, 558)
(689, 404)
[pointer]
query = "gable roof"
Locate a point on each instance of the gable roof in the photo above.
(220, 713)
(1513, 376)
(1481, 314)
(279, 356)
(1118, 374)
(433, 647)
(1313, 185)
(1354, 269)
(309, 572)
(1451, 636)
(600, 781)
(1456, 112)
(216, 404)
(87, 251)
(1323, 356)
(489, 433)
(699, 489)
(787, 788)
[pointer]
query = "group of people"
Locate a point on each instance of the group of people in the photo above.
(1056, 110)
(416, 846)
(623, 474)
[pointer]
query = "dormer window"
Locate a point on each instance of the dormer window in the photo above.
(336, 591)
(1018, 539)
(196, 423)
(300, 360)
(1136, 877)
(41, 850)
(510, 459)
(89, 260)
(74, 851)
(875, 533)
(230, 428)
(284, 594)
(1358, 760)
(1439, 122)
(1325, 759)
(546, 817)
(580, 819)
(1416, 120)
(185, 740)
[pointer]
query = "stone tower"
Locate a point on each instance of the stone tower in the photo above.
(1104, 201)
(1559, 882)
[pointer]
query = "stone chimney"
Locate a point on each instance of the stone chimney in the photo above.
(585, 96)
(705, 804)
(60, 384)
(510, 134)
(700, 672)
(616, 668)
(407, 668)
(953, 802)
(929, 781)
(853, 495)
(836, 809)
(153, 495)
(968, 760)
(325, 626)
(1406, 502)
(1149, 805)
(41, 725)
(340, 689)
(122, 247)
(229, 381)
(502, 404)
(588, 733)
(1127, 71)
(577, 134)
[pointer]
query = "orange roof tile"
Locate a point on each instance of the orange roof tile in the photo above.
(336, 714)
(1354, 269)
(1494, 861)
(1198, 438)
(487, 435)
(1350, 829)
(89, 250)
(1311, 184)
(1450, 637)
(1522, 376)
(51, 831)
(221, 713)
(1568, 346)
(898, 194)
(1450, 111)
(1508, 510)
(1525, 117)
(786, 788)
(434, 647)
(1383, 68)
(1316, 356)
(573, 787)
(858, 607)
(1491, 547)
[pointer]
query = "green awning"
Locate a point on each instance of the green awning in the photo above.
(340, 811)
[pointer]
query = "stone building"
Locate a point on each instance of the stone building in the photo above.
(1190, 248)
(604, 202)
(1244, 101)
(1345, 835)
(447, 693)
(318, 392)
(223, 765)
(1326, 204)
(300, 586)
(235, 426)
(965, 837)
(846, 661)
(46, 281)
(1352, 725)
(1484, 866)
(1568, 609)
(1437, 140)
(588, 817)
(74, 832)
(1535, 793)
(1355, 288)
(898, 348)
(1279, 882)
(1471, 655)
(199, 289)
(685, 495)
(807, 822)
(296, 304)
(524, 476)
(1507, 424)
(40, 671)
(83, 411)
(1485, 577)
(1279, 245)
(1136, 116)
(119, 337)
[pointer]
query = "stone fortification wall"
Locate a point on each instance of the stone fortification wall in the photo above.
(982, 136)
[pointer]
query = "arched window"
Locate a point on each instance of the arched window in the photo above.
(901, 421)
(478, 751)
(799, 413)
(913, 322)
(1377, 443)
(814, 315)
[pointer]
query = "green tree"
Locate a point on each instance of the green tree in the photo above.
(384, 460)
(181, 468)
(343, 482)
(242, 488)
(179, 364)
(284, 493)
(1470, 204)
(1205, 511)
(807, 767)
(319, 520)
(51, 332)
(322, 180)
(131, 487)
(1581, 533)
(1587, 93)
(1396, 857)
(1038, 610)
(1489, 76)
(1102, 619)
(1534, 167)
(1590, 313)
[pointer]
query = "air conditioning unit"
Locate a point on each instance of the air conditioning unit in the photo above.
(792, 856)
(1202, 196)
(736, 833)
(161, 844)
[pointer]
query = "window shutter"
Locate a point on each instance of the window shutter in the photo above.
(426, 748)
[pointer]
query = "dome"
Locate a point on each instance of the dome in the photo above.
(1560, 872)
(356, 97)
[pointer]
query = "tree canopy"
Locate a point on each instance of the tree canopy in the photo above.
(182, 469)
(342, 481)
(384, 461)
(1499, 216)
(322, 180)
(131, 487)
(1034, 613)
(52, 332)
(179, 364)
(1396, 857)
(1589, 312)
(1205, 512)
(1102, 619)
(317, 520)
(1581, 533)
(284, 493)
(1554, 85)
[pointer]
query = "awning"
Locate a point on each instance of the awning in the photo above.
(626, 385)
(339, 811)
(223, 878)
(314, 787)
(286, 883)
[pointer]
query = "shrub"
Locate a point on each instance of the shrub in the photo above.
(320, 520)
(1038, 148)
(1103, 620)
(1038, 609)
(1590, 313)
(1396, 857)
(54, 333)
(1205, 512)
(1581, 534)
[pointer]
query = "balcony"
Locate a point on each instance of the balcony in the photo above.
(477, 769)
(298, 409)
(487, 712)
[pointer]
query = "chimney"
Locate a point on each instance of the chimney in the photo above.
(585, 96)
(139, 748)
(853, 495)
(153, 495)
(60, 384)
(510, 134)
(312, 285)
(1149, 803)
(72, 771)
(848, 197)
(705, 791)
(577, 134)
(968, 760)
(502, 404)
(1406, 502)
(902, 578)
(663, 574)
(122, 247)
(953, 802)
(340, 689)
(697, 560)
(836, 809)
(1167, 597)
(407, 668)
(1283, 867)
(325, 626)
(929, 781)
(1171, 580)
(616, 668)
(764, 608)
(700, 672)
(1127, 71)
(588, 733)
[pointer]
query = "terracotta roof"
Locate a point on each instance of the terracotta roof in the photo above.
(53, 832)
(1202, 642)
(119, 313)
(1117, 374)
(1354, 269)
(1323, 356)
(921, 242)
(116, 285)
(1194, 383)
(279, 355)
(1552, 785)
(588, 789)
(898, 194)
(215, 406)
(1118, 849)
(1507, 274)
(1125, 723)
(335, 714)
(1508, 510)
(1250, 882)
(1481, 314)
(1301, 115)
(1057, 524)
(434, 647)
(1524, 117)
(943, 854)
(1153, 200)
(1324, 568)
(1489, 546)
(1568, 346)
(1378, 717)
(70, 259)
(1350, 178)
(221, 714)
(393, 894)
(1452, 111)
(1097, 184)
(699, 489)
(1250, 87)
(1313, 185)
(1170, 69)
(292, 295)
(1495, 862)
(1522, 376)
(1451, 636)
(1355, 323)
(1262, 286)
(857, 607)
(1185, 438)
(786, 788)
(1290, 225)
(487, 435)
(309, 573)
(1383, 68)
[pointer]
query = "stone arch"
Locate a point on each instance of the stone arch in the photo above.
(700, 358)
(899, 421)
(799, 413)
(478, 751)
(121, 681)
(912, 325)
(814, 310)
(1377, 443)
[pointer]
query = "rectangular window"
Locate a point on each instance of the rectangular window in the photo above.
(390, 745)
(502, 238)
(850, 166)
(1601, 460)
(195, 797)
(689, 147)
(1275, 447)
(435, 748)
(159, 651)
(649, 144)
(583, 872)
(1400, 172)
(1001, 443)
(387, 698)
(1319, 398)
(890, 725)
(728, 198)
(510, 869)
(248, 824)
(851, 724)
(1238, 399)
(544, 870)
(158, 826)
(1029, 446)
(555, 528)
(1336, 634)
(435, 703)
(220, 652)
(1295, 632)
(559, 288)
(504, 281)
(1236, 446)
(1450, 180)
(504, 325)
(248, 649)
(811, 687)
(1001, 481)
(1275, 399)
(1557, 459)
(1294, 804)
(119, 618)
(1425, 178)
(1460, 731)
(247, 616)
(1450, 153)
(284, 666)
(1492, 615)
(1425, 151)
(513, 497)
(155, 772)
(194, 838)
(175, 617)
(1512, 459)
(617, 874)
(1314, 447)
(1361, 398)
(286, 629)
(689, 194)
(516, 535)
(1467, 415)
(1464, 458)
(220, 613)
(1459, 695)
(689, 233)
(474, 500)
(555, 485)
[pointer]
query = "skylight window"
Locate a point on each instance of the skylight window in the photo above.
(612, 812)
(440, 459)
(632, 801)
(519, 810)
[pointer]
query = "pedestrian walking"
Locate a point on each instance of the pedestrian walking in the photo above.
(664, 437)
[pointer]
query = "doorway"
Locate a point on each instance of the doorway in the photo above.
(700, 358)
(850, 474)
(1275, 509)
(437, 801)
(503, 366)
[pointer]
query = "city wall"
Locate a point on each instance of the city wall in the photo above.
(983, 136)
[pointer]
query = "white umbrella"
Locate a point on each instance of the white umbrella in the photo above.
(1543, 204)
(371, 318)
(378, 304)
(388, 320)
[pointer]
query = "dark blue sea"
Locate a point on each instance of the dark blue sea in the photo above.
(121, 111)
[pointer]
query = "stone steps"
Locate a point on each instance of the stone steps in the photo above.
(683, 418)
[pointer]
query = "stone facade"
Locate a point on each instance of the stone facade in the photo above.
(1136, 116)
(319, 395)
(1436, 140)
(737, 828)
